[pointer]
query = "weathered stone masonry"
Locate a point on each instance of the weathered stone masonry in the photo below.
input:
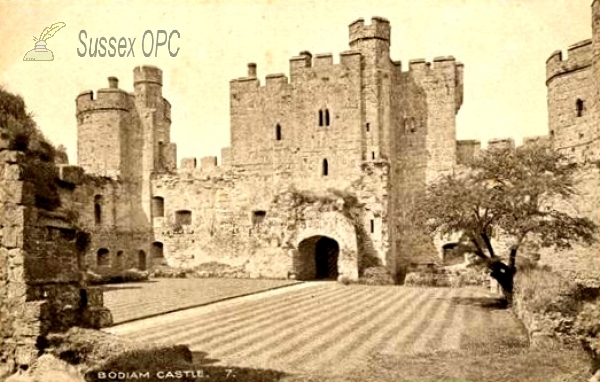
(42, 281)
(362, 130)
(573, 85)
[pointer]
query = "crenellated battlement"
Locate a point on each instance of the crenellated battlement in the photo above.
(298, 64)
(208, 164)
(105, 99)
(579, 57)
(438, 63)
(378, 29)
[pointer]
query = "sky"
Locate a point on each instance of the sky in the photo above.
(503, 44)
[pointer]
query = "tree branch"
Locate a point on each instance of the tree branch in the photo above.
(488, 245)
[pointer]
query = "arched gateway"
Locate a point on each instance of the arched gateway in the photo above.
(317, 258)
(325, 248)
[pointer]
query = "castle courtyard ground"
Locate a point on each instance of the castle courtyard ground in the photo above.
(324, 331)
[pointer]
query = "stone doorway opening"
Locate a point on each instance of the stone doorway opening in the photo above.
(317, 259)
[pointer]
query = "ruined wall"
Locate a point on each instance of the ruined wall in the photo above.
(42, 286)
(214, 215)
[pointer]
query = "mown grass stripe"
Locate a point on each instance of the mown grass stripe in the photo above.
(431, 334)
(267, 300)
(419, 323)
(304, 316)
(362, 347)
(338, 353)
(237, 321)
(292, 341)
(229, 315)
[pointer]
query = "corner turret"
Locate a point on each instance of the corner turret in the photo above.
(379, 29)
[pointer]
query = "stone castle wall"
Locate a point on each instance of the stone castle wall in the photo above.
(212, 215)
(573, 84)
(570, 96)
(42, 259)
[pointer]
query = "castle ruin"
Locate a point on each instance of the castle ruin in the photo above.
(323, 165)
(320, 167)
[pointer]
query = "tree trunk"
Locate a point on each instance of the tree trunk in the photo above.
(505, 277)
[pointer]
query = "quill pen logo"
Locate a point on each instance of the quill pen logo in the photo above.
(41, 53)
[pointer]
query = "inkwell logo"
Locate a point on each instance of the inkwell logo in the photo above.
(40, 53)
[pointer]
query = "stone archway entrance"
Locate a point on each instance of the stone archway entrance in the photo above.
(317, 259)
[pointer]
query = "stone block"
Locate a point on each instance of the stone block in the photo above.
(16, 291)
(12, 236)
(25, 354)
(34, 310)
(12, 214)
(11, 156)
(10, 171)
(15, 274)
(16, 257)
(17, 192)
(4, 256)
(70, 174)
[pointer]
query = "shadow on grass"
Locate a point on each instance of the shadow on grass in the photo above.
(489, 303)
(210, 372)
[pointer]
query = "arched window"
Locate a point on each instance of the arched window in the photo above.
(98, 209)
(158, 206)
(372, 226)
(278, 132)
(160, 155)
(325, 167)
(579, 107)
(372, 154)
(320, 117)
(326, 117)
(368, 126)
(103, 257)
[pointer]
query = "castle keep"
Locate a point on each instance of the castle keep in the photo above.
(320, 169)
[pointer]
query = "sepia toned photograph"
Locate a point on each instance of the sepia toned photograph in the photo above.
(300, 191)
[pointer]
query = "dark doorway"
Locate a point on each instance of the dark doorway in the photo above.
(326, 258)
(317, 259)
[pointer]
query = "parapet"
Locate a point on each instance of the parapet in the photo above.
(466, 150)
(106, 99)
(70, 174)
(579, 57)
(226, 156)
(276, 79)
(188, 164)
(442, 62)
(501, 144)
(379, 29)
(539, 139)
(208, 163)
(325, 59)
(147, 74)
